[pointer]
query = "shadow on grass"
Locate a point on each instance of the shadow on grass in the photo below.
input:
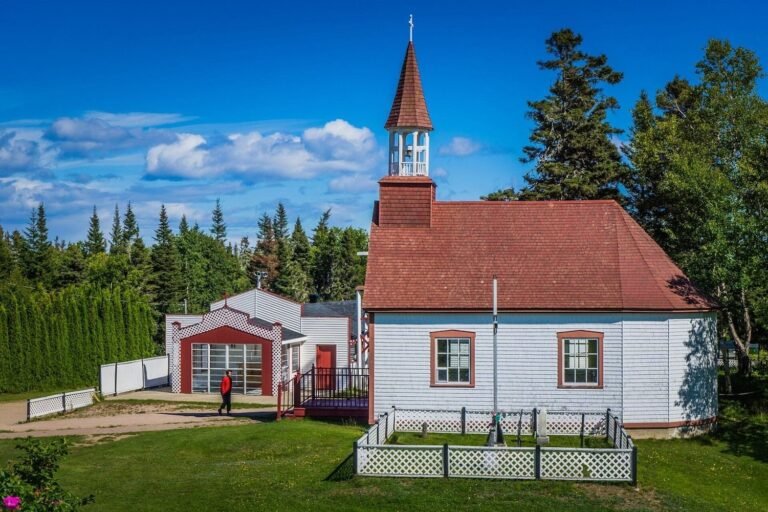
(344, 471)
(744, 421)
(262, 417)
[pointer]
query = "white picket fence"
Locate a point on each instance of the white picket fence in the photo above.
(62, 402)
(116, 378)
(373, 457)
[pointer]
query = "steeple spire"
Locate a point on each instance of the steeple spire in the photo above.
(409, 123)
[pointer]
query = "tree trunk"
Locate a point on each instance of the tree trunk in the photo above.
(741, 343)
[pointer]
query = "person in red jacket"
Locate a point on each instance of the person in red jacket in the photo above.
(226, 392)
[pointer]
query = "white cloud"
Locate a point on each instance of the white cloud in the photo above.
(352, 183)
(440, 172)
(138, 119)
(460, 146)
(336, 146)
(17, 153)
(90, 137)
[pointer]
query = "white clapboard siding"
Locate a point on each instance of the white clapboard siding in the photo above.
(245, 302)
(646, 369)
(273, 308)
(693, 367)
(324, 331)
(636, 362)
(266, 306)
(184, 320)
(527, 346)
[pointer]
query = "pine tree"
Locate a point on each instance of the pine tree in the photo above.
(218, 227)
(301, 247)
(183, 225)
(323, 243)
(166, 270)
(291, 281)
(39, 265)
(116, 237)
(95, 243)
(280, 222)
(571, 144)
(264, 258)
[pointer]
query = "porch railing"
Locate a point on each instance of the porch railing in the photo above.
(325, 388)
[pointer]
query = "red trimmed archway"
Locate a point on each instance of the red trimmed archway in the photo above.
(226, 335)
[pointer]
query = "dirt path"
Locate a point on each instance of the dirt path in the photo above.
(120, 418)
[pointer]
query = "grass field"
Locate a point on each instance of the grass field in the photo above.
(300, 465)
(295, 465)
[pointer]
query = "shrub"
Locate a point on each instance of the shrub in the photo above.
(30, 483)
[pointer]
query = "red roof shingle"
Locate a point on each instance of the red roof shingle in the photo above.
(409, 109)
(548, 255)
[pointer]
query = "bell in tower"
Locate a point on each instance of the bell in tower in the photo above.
(409, 123)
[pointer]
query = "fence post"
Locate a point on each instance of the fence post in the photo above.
(582, 430)
(115, 378)
(634, 466)
(607, 422)
(168, 356)
(143, 375)
(378, 424)
(64, 402)
(354, 457)
(386, 425)
(463, 420)
(314, 377)
(615, 426)
(535, 421)
(445, 460)
(279, 400)
(537, 462)
(29, 410)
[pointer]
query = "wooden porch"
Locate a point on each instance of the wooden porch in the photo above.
(325, 393)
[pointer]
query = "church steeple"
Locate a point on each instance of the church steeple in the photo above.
(409, 123)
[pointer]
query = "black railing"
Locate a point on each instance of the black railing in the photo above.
(332, 388)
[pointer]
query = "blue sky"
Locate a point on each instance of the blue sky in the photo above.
(255, 103)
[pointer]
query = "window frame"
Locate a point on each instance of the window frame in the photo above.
(579, 335)
(436, 335)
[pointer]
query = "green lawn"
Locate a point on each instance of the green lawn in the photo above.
(300, 465)
(287, 465)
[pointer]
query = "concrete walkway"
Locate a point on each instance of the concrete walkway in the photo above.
(124, 417)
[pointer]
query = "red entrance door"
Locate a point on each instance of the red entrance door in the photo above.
(325, 365)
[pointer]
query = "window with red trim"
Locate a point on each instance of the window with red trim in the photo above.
(580, 361)
(452, 358)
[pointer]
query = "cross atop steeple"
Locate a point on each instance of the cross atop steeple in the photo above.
(408, 122)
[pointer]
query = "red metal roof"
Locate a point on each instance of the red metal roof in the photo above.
(409, 109)
(548, 256)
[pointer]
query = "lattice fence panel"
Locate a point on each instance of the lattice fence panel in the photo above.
(424, 461)
(591, 464)
(509, 421)
(569, 423)
(438, 421)
(476, 462)
(54, 404)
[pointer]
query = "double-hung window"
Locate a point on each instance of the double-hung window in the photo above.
(453, 354)
(581, 359)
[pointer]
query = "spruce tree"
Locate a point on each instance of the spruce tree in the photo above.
(264, 258)
(571, 144)
(280, 222)
(291, 281)
(39, 265)
(183, 225)
(95, 243)
(116, 236)
(166, 269)
(7, 261)
(301, 247)
(218, 227)
(323, 243)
